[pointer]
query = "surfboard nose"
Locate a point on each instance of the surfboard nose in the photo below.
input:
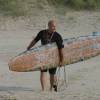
(16, 65)
(22, 63)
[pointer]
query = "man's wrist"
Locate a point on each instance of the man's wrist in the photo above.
(28, 48)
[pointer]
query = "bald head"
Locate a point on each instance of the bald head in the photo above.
(52, 25)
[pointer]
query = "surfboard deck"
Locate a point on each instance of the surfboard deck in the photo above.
(75, 49)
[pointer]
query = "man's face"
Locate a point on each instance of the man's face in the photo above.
(52, 27)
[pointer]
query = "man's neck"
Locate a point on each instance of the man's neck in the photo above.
(50, 32)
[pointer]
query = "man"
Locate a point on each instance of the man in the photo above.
(47, 36)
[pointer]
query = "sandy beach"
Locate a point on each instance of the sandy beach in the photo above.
(82, 78)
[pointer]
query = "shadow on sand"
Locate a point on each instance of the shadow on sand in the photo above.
(14, 88)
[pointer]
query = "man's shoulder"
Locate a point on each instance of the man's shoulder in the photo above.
(42, 31)
(57, 34)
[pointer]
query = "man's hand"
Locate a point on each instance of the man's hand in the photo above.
(61, 63)
(33, 42)
(28, 48)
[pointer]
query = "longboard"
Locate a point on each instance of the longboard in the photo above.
(75, 49)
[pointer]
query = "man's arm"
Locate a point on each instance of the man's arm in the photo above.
(33, 42)
(60, 45)
(60, 56)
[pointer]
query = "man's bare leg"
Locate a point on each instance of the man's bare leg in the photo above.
(53, 79)
(43, 80)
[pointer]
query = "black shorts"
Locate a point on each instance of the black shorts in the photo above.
(52, 71)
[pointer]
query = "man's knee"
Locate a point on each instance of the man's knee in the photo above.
(44, 70)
